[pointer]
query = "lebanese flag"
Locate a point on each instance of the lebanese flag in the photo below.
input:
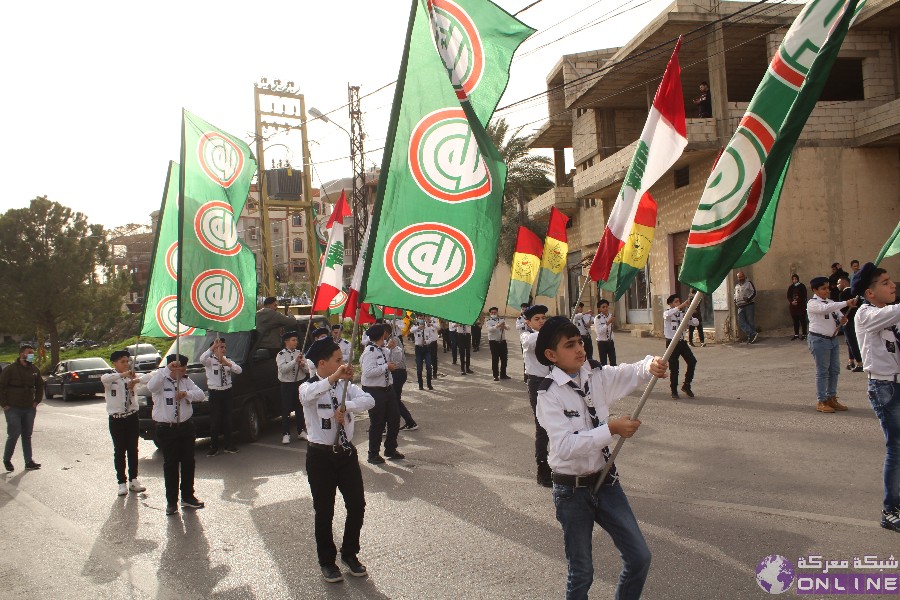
(331, 278)
(353, 305)
(661, 144)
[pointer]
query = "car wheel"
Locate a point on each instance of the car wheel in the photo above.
(250, 422)
(66, 396)
(47, 393)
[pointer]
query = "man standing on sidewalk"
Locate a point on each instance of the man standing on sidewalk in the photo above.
(744, 294)
(21, 390)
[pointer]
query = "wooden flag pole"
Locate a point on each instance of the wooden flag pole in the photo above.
(637, 411)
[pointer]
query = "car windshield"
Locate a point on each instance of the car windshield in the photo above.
(237, 345)
(142, 349)
(78, 364)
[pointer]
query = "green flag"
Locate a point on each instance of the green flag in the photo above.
(891, 247)
(217, 283)
(735, 218)
(158, 318)
(436, 218)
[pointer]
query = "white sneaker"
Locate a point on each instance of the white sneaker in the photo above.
(123, 489)
(135, 486)
(286, 439)
(302, 435)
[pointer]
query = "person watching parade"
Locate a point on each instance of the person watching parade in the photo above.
(21, 390)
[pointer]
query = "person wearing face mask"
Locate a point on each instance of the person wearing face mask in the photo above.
(21, 390)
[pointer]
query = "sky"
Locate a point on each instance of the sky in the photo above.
(93, 91)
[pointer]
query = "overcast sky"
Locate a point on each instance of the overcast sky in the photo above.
(93, 91)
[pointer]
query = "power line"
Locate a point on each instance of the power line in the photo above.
(535, 3)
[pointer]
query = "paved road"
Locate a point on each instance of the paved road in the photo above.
(745, 470)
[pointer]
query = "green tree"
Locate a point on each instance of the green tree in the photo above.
(526, 179)
(54, 271)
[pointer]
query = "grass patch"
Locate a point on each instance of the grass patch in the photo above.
(10, 352)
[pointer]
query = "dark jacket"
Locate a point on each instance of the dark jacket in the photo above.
(799, 292)
(269, 323)
(21, 386)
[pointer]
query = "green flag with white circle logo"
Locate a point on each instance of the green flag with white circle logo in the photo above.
(217, 283)
(160, 300)
(436, 219)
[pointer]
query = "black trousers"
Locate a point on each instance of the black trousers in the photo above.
(220, 417)
(699, 328)
(607, 352)
(399, 376)
(177, 445)
(326, 473)
(801, 320)
(424, 357)
(476, 338)
(454, 341)
(434, 358)
(445, 338)
(541, 440)
(499, 356)
(588, 346)
(852, 342)
(684, 351)
(290, 402)
(385, 413)
(464, 344)
(125, 433)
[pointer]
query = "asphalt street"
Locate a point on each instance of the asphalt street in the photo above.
(746, 469)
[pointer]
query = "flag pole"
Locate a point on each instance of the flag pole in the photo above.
(580, 294)
(637, 411)
(343, 404)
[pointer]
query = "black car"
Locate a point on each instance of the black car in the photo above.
(256, 393)
(146, 357)
(76, 377)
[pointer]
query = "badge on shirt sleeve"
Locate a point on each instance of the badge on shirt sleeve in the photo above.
(572, 414)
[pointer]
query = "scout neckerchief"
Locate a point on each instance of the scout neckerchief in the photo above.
(835, 316)
(177, 401)
(387, 371)
(604, 320)
(112, 392)
(342, 433)
(595, 422)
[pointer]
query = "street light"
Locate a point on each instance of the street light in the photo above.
(318, 114)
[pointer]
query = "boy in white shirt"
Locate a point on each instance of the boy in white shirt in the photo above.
(219, 369)
(121, 405)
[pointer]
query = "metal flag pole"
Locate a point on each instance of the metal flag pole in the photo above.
(580, 294)
(637, 411)
(343, 404)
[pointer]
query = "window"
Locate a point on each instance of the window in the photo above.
(251, 231)
(299, 265)
(682, 177)
(297, 220)
(845, 83)
(298, 245)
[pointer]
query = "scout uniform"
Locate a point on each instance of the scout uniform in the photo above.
(671, 321)
(583, 321)
(376, 381)
(535, 372)
(824, 325)
(496, 328)
(291, 374)
(424, 336)
(218, 382)
(606, 346)
(464, 343)
(122, 408)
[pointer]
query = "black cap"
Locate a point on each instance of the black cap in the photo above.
(177, 357)
(320, 331)
(817, 282)
(548, 329)
(537, 309)
(119, 354)
(24, 345)
(319, 350)
(288, 335)
(337, 326)
(862, 279)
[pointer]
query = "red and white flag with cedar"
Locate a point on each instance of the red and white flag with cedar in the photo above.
(331, 279)
(352, 304)
(622, 252)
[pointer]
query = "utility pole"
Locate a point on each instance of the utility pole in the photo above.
(357, 159)
(291, 99)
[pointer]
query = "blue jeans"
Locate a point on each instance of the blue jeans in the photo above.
(885, 399)
(746, 318)
(577, 509)
(827, 354)
(19, 422)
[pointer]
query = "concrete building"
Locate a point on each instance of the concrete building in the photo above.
(840, 201)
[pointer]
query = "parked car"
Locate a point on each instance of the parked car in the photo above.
(3, 365)
(303, 323)
(76, 377)
(146, 357)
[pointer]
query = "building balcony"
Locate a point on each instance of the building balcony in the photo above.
(563, 198)
(879, 126)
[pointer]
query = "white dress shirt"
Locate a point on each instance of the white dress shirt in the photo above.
(583, 323)
(218, 375)
(532, 366)
(318, 398)
(520, 323)
(289, 371)
(119, 399)
(672, 319)
(345, 350)
(824, 316)
(166, 408)
(423, 334)
(374, 366)
(603, 329)
(396, 355)
(575, 444)
(878, 342)
(494, 331)
(452, 326)
(463, 329)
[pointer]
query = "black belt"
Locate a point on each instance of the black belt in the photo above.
(535, 376)
(336, 448)
(375, 387)
(827, 337)
(576, 480)
(123, 415)
(162, 424)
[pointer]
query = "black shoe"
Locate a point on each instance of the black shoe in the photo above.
(431, 388)
(171, 509)
(462, 372)
(375, 459)
(357, 569)
(496, 379)
(795, 337)
(395, 455)
(858, 369)
(891, 520)
(687, 390)
(454, 362)
(232, 450)
(421, 387)
(409, 427)
(544, 474)
(675, 395)
(691, 344)
(212, 451)
(332, 574)
(9, 466)
(505, 377)
(850, 366)
(191, 503)
(470, 371)
(32, 466)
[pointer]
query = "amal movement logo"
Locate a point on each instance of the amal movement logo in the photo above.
(216, 295)
(215, 228)
(172, 261)
(166, 310)
(444, 158)
(429, 259)
(220, 158)
(457, 41)
(338, 301)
